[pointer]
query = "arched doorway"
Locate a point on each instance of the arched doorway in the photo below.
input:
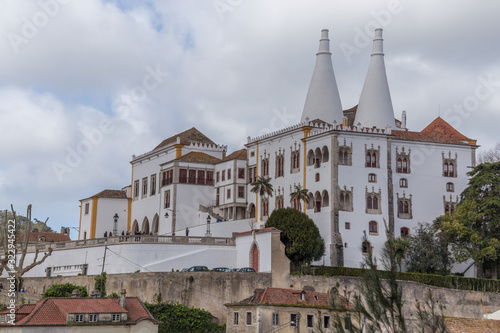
(135, 227)
(145, 226)
(254, 257)
(154, 227)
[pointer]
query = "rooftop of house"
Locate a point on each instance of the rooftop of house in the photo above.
(438, 131)
(35, 236)
(109, 194)
(469, 325)
(186, 138)
(292, 297)
(237, 155)
(198, 157)
(53, 311)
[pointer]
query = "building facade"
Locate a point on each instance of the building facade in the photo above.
(366, 173)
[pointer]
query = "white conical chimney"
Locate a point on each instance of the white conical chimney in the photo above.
(375, 104)
(323, 99)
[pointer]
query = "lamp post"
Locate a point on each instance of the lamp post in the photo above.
(208, 234)
(115, 224)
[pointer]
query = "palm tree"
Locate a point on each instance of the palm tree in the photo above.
(262, 186)
(299, 194)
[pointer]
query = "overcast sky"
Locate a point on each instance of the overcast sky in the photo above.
(84, 85)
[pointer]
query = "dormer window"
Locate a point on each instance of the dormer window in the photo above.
(115, 317)
(79, 318)
(93, 317)
(302, 297)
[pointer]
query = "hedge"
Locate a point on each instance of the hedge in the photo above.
(445, 281)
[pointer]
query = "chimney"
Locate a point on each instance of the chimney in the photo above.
(403, 119)
(121, 300)
(75, 293)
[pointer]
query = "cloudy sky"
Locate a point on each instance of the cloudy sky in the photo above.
(84, 85)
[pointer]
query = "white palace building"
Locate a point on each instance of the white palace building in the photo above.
(364, 171)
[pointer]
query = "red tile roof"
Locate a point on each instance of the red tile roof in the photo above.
(46, 237)
(109, 194)
(186, 137)
(237, 155)
(284, 296)
(438, 131)
(468, 325)
(53, 311)
(198, 157)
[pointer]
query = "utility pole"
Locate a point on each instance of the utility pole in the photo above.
(104, 259)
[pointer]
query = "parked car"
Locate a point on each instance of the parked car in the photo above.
(197, 269)
(234, 270)
(247, 270)
(184, 270)
(221, 269)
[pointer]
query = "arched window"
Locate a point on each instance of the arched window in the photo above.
(373, 227)
(445, 170)
(366, 247)
(326, 154)
(325, 199)
(369, 203)
(398, 165)
(405, 165)
(375, 203)
(310, 157)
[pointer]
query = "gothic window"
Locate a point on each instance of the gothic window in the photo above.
(449, 205)
(373, 201)
(317, 158)
(295, 158)
(450, 187)
(265, 167)
(373, 228)
(405, 232)
(317, 202)
(279, 201)
(310, 204)
(403, 161)
(296, 204)
(449, 165)
(403, 182)
(280, 164)
(265, 207)
(372, 178)
(372, 157)
(404, 207)
(345, 199)
(345, 154)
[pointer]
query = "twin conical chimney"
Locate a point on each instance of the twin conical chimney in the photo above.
(375, 104)
(323, 99)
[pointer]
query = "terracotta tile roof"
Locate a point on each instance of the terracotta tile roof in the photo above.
(46, 237)
(468, 325)
(438, 131)
(284, 296)
(188, 136)
(198, 157)
(256, 231)
(53, 311)
(350, 114)
(237, 155)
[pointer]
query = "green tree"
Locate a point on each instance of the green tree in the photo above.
(100, 283)
(299, 194)
(474, 227)
(428, 252)
(303, 242)
(64, 290)
(400, 246)
(262, 186)
(178, 318)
